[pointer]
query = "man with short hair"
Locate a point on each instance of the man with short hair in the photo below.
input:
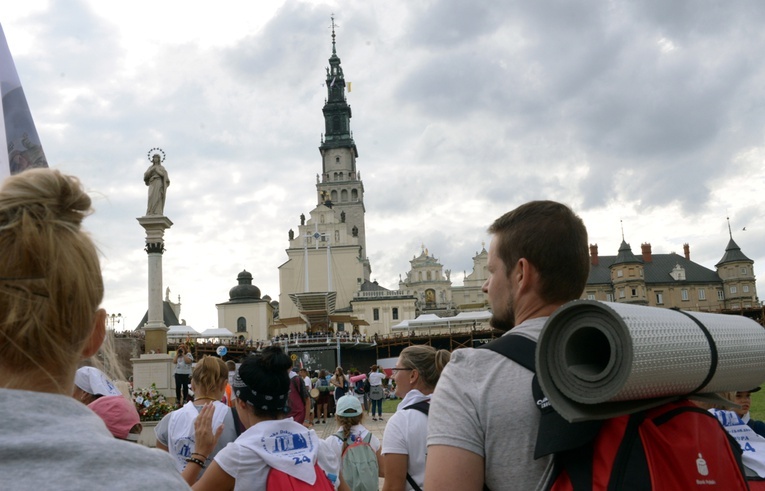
(483, 422)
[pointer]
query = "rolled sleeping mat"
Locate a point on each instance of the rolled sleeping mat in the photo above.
(597, 360)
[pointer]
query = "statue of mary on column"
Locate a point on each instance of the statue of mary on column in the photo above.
(157, 180)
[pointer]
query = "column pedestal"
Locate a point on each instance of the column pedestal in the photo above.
(155, 328)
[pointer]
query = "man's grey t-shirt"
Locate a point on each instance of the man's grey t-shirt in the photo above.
(483, 404)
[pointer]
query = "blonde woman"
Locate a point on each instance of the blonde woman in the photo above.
(175, 433)
(50, 291)
(404, 443)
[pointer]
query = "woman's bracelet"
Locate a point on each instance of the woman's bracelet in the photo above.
(204, 457)
(194, 460)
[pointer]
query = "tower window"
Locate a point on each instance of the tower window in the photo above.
(344, 195)
(733, 289)
(337, 160)
(354, 195)
(241, 325)
(745, 288)
(333, 195)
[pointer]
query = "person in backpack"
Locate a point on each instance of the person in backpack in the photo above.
(299, 403)
(359, 467)
(483, 423)
(175, 432)
(274, 452)
(376, 392)
(416, 373)
(320, 408)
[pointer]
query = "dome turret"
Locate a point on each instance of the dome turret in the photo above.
(245, 290)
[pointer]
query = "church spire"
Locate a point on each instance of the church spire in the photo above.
(337, 112)
(333, 33)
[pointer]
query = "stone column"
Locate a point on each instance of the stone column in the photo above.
(155, 328)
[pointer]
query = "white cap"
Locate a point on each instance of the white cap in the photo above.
(94, 381)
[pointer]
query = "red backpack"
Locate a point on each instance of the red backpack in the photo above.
(676, 446)
(281, 481)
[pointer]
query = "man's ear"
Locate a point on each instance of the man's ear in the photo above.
(525, 275)
(97, 335)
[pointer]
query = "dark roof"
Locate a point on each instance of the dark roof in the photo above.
(656, 271)
(372, 286)
(168, 316)
(732, 254)
(625, 254)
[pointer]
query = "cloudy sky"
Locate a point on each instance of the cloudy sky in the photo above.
(650, 113)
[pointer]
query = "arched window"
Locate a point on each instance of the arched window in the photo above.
(241, 325)
(354, 195)
(344, 195)
(341, 176)
(333, 195)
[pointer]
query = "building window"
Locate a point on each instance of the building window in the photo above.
(745, 288)
(702, 294)
(659, 298)
(376, 314)
(684, 294)
(634, 292)
(394, 313)
(340, 326)
(621, 292)
(343, 194)
(333, 196)
(354, 195)
(609, 297)
(733, 289)
(619, 273)
(720, 295)
(241, 325)
(743, 271)
(590, 295)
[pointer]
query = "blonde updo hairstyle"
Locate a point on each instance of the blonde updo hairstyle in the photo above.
(210, 376)
(50, 280)
(428, 362)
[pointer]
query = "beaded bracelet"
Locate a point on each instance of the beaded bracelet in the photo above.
(195, 460)
(204, 457)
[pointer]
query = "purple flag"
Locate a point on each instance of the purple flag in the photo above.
(23, 144)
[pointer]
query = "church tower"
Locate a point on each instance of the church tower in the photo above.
(327, 257)
(340, 182)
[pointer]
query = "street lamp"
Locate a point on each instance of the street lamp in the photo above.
(113, 319)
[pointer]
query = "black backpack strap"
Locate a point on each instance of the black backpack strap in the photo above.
(555, 434)
(520, 349)
(422, 406)
(411, 482)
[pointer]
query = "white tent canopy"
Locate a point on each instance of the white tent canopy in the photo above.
(217, 333)
(432, 320)
(176, 332)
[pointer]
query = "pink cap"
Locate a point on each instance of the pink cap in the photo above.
(118, 413)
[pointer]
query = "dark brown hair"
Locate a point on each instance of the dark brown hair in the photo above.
(553, 239)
